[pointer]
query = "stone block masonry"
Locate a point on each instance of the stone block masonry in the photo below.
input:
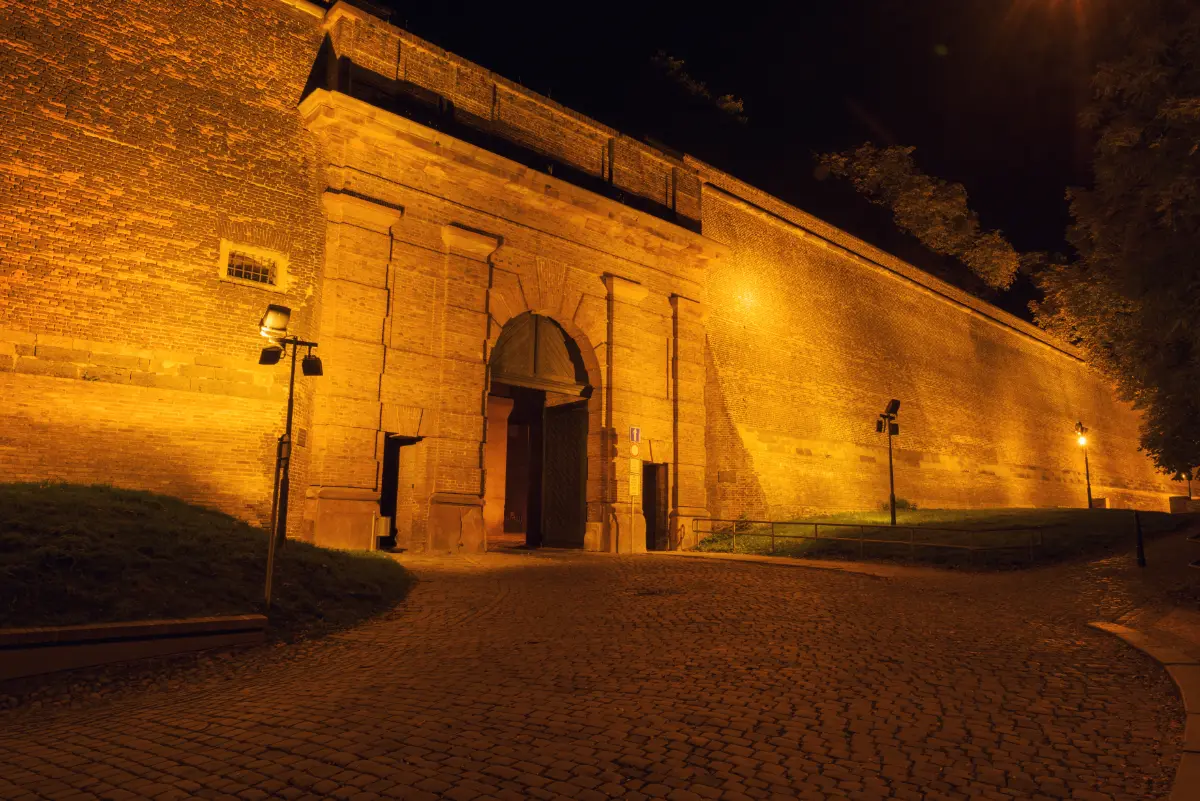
(407, 205)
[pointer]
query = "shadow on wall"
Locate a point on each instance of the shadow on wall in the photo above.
(233, 480)
(732, 483)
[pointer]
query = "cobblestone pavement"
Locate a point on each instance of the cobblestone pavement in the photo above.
(569, 675)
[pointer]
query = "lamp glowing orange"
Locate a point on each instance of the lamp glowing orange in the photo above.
(275, 322)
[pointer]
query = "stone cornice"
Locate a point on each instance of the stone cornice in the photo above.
(355, 210)
(475, 245)
(342, 10)
(624, 290)
(324, 111)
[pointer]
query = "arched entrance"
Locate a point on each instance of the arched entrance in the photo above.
(536, 450)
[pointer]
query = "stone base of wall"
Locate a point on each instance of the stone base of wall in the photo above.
(336, 517)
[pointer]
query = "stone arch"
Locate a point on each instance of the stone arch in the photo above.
(584, 326)
(534, 350)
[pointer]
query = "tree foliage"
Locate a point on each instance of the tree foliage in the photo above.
(931, 209)
(1131, 299)
(676, 71)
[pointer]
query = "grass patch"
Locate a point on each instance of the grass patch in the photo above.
(1057, 535)
(73, 554)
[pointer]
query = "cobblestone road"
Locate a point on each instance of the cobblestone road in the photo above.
(587, 676)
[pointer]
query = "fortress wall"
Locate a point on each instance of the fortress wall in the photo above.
(138, 136)
(808, 341)
(135, 137)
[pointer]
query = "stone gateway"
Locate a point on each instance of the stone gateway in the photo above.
(501, 290)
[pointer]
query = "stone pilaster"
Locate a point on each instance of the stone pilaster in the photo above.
(342, 500)
(456, 506)
(626, 530)
(688, 494)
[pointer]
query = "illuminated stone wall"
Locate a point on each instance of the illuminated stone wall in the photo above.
(440, 243)
(815, 331)
(139, 137)
(134, 138)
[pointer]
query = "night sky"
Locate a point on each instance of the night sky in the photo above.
(988, 91)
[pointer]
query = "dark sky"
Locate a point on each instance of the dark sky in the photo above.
(988, 91)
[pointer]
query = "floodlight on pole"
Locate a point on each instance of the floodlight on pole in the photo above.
(1081, 438)
(887, 422)
(274, 322)
(311, 365)
(274, 326)
(271, 354)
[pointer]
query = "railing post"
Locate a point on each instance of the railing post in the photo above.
(1141, 549)
(772, 537)
(735, 537)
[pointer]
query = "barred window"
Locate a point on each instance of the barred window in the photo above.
(250, 265)
(258, 269)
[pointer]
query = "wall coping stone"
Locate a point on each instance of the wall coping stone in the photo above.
(312, 9)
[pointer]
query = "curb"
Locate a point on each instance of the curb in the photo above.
(34, 651)
(860, 568)
(1184, 670)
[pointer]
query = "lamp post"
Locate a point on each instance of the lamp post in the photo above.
(887, 421)
(1081, 437)
(274, 327)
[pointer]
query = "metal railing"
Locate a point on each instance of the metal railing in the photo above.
(774, 530)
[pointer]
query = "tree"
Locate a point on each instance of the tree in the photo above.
(1130, 300)
(932, 210)
(675, 70)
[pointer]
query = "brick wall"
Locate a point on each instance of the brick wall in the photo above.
(135, 137)
(811, 332)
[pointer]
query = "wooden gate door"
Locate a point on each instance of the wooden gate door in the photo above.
(564, 475)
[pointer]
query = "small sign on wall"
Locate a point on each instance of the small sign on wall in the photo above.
(635, 434)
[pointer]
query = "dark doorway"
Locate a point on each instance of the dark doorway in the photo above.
(537, 366)
(564, 475)
(390, 490)
(654, 506)
(523, 463)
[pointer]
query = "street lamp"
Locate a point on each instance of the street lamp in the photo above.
(274, 327)
(1081, 437)
(887, 421)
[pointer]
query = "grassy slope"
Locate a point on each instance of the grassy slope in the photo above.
(1063, 533)
(74, 554)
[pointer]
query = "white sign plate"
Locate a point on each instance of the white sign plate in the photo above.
(635, 434)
